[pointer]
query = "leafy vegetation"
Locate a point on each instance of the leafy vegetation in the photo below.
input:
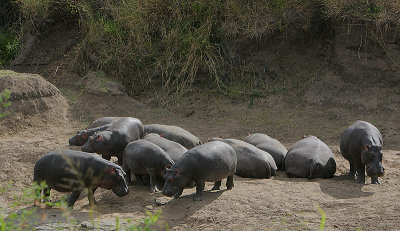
(9, 46)
(4, 103)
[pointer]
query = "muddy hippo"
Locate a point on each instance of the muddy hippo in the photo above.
(73, 171)
(82, 136)
(270, 145)
(361, 145)
(173, 149)
(145, 158)
(112, 140)
(252, 162)
(310, 158)
(212, 161)
(174, 133)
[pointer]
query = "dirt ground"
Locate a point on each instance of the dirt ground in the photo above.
(279, 203)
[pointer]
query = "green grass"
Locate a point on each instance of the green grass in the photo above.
(9, 46)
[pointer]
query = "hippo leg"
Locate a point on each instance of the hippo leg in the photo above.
(178, 194)
(199, 190)
(153, 181)
(120, 161)
(352, 172)
(72, 198)
(374, 180)
(128, 177)
(160, 182)
(139, 179)
(361, 173)
(217, 185)
(106, 156)
(229, 183)
(91, 199)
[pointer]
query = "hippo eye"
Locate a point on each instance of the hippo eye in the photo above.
(119, 177)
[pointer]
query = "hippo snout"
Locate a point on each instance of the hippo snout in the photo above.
(381, 172)
(121, 191)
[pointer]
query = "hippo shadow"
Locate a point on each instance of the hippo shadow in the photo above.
(44, 218)
(179, 211)
(343, 187)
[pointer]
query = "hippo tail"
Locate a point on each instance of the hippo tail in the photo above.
(330, 168)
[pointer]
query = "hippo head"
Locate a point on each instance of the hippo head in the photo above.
(114, 179)
(175, 181)
(371, 157)
(79, 139)
(98, 142)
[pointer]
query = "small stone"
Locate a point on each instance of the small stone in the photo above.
(162, 201)
(149, 207)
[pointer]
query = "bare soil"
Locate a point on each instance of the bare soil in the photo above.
(326, 103)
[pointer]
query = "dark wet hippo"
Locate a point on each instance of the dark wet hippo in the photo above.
(145, 158)
(212, 161)
(172, 148)
(361, 145)
(82, 136)
(252, 162)
(112, 139)
(73, 171)
(270, 145)
(174, 133)
(310, 158)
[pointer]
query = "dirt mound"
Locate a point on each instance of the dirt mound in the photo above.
(34, 102)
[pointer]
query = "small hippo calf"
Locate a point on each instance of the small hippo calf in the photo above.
(310, 158)
(361, 145)
(173, 149)
(212, 161)
(252, 162)
(174, 133)
(112, 139)
(270, 145)
(82, 136)
(73, 171)
(145, 158)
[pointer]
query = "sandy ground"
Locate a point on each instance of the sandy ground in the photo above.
(279, 203)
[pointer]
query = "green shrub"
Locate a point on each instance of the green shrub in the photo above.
(4, 103)
(9, 46)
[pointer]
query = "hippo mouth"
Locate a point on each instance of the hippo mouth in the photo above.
(169, 192)
(121, 190)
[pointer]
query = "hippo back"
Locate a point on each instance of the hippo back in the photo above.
(310, 158)
(174, 133)
(270, 145)
(172, 148)
(130, 128)
(103, 121)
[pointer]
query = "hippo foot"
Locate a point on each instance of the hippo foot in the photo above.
(197, 198)
(375, 181)
(360, 180)
(216, 188)
(229, 187)
(154, 190)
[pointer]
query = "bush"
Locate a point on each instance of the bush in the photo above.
(4, 103)
(9, 46)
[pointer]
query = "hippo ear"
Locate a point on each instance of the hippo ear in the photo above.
(168, 167)
(100, 138)
(112, 170)
(162, 134)
(177, 172)
(367, 147)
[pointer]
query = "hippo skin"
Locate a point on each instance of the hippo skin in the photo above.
(173, 149)
(145, 158)
(361, 145)
(310, 158)
(270, 145)
(252, 162)
(174, 133)
(212, 161)
(73, 171)
(112, 139)
(82, 136)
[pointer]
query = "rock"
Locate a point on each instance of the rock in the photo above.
(96, 83)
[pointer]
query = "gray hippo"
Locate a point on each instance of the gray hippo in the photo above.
(252, 162)
(73, 171)
(270, 145)
(82, 136)
(212, 161)
(174, 133)
(361, 145)
(173, 149)
(310, 158)
(145, 158)
(112, 138)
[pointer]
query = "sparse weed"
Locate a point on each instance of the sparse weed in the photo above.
(4, 103)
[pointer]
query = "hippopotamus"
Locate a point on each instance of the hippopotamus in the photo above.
(174, 133)
(212, 161)
(310, 158)
(173, 149)
(82, 136)
(270, 145)
(361, 145)
(145, 158)
(73, 171)
(112, 140)
(252, 162)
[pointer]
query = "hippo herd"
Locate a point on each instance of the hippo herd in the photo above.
(169, 158)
